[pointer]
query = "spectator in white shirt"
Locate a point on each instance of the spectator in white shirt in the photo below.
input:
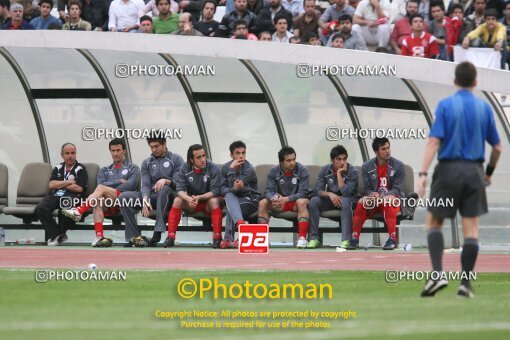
(281, 34)
(124, 14)
(372, 22)
(294, 6)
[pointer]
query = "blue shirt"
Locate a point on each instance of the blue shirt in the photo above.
(40, 23)
(463, 123)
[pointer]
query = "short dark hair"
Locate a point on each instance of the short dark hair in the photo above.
(310, 35)
(294, 38)
(75, 2)
(155, 136)
(278, 17)
(456, 6)
(490, 12)
(337, 151)
(158, 1)
(465, 74)
(117, 141)
(239, 22)
(344, 17)
(415, 1)
(66, 144)
(145, 18)
(436, 3)
(417, 15)
(5, 3)
(378, 142)
(286, 150)
(235, 145)
(189, 155)
(49, 2)
(336, 36)
(209, 2)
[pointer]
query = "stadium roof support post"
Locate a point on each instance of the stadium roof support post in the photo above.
(352, 114)
(31, 100)
(110, 93)
(269, 99)
(194, 105)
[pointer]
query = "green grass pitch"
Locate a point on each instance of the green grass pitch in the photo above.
(126, 309)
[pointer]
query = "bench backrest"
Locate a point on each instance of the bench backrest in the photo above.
(33, 183)
(92, 171)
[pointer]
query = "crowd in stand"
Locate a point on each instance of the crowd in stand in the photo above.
(421, 28)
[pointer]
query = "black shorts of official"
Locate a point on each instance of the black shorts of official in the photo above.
(464, 183)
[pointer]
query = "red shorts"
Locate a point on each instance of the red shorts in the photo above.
(289, 206)
(113, 210)
(201, 208)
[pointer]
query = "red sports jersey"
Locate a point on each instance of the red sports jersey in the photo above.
(424, 46)
(382, 181)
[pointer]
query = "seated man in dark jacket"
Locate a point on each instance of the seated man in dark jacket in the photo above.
(240, 12)
(267, 14)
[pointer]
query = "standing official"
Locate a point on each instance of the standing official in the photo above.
(463, 123)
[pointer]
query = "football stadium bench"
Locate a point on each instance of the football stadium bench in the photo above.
(33, 186)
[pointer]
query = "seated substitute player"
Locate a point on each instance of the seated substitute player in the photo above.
(336, 188)
(158, 188)
(112, 180)
(239, 187)
(68, 180)
(287, 189)
(383, 182)
(198, 188)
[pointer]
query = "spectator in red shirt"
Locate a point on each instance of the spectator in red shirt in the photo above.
(419, 43)
(402, 27)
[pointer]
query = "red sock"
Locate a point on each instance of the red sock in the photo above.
(390, 215)
(98, 227)
(303, 228)
(174, 217)
(238, 223)
(360, 216)
(216, 218)
(82, 209)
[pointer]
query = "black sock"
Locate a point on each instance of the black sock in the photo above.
(156, 237)
(436, 246)
(468, 258)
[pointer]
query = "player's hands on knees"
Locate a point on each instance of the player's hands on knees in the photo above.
(193, 201)
(159, 185)
(122, 181)
(146, 209)
(335, 199)
(238, 185)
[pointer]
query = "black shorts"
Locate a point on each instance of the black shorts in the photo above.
(462, 182)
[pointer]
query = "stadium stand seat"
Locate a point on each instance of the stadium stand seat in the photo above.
(32, 187)
(4, 185)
